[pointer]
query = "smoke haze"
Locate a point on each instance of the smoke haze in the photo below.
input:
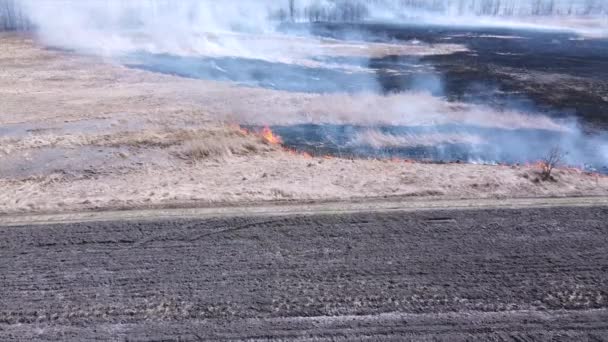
(184, 37)
(114, 26)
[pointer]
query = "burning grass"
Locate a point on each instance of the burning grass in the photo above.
(269, 136)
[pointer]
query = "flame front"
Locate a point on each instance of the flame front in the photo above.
(270, 137)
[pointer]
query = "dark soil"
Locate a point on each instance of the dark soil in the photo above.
(494, 275)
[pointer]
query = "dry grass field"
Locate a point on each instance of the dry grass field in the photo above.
(81, 132)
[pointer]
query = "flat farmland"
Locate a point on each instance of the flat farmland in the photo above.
(446, 275)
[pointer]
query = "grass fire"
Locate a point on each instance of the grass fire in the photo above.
(304, 170)
(270, 137)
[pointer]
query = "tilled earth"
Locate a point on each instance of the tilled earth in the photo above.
(487, 275)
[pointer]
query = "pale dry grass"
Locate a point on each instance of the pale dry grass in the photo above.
(216, 139)
(281, 176)
(51, 86)
(202, 161)
(198, 146)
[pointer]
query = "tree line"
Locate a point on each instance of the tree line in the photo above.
(333, 10)
(355, 10)
(13, 16)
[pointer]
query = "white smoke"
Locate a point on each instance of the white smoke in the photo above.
(119, 26)
(377, 139)
(116, 26)
(242, 28)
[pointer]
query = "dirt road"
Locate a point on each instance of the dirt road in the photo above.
(441, 275)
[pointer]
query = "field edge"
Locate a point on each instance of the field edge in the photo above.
(297, 208)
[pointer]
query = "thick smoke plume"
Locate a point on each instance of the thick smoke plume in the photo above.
(115, 26)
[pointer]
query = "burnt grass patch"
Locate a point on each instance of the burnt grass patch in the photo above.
(516, 62)
(391, 75)
(554, 72)
(559, 74)
(488, 145)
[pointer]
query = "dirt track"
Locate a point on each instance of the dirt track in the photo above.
(498, 275)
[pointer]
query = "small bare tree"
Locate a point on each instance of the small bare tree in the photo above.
(292, 10)
(552, 160)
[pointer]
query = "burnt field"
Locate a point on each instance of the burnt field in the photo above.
(424, 143)
(556, 74)
(480, 275)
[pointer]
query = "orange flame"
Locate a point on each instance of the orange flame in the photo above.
(270, 137)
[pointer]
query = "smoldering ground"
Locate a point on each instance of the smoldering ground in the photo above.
(268, 44)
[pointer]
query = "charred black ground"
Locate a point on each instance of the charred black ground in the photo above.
(525, 145)
(560, 74)
(497, 59)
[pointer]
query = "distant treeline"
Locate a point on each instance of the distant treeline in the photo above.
(12, 16)
(355, 10)
(510, 7)
(330, 10)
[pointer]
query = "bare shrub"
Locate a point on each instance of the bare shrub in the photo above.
(552, 160)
